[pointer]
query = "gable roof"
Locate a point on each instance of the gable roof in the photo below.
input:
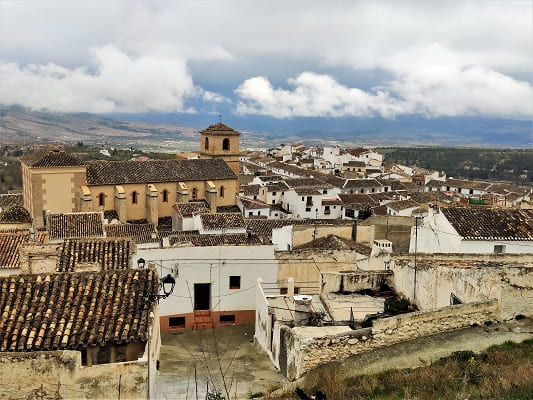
(15, 214)
(154, 171)
(402, 205)
(219, 129)
(491, 223)
(10, 244)
(222, 221)
(110, 253)
(228, 239)
(361, 183)
(50, 156)
(191, 207)
(140, 233)
(334, 242)
(75, 310)
(252, 204)
(75, 225)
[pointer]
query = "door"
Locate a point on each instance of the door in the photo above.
(202, 296)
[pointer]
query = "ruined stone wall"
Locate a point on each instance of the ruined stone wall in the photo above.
(39, 259)
(355, 281)
(511, 284)
(305, 353)
(63, 376)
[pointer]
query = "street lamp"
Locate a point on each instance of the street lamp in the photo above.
(140, 263)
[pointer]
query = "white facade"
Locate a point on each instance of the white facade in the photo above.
(437, 235)
(213, 265)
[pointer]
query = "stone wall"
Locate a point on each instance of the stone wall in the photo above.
(39, 259)
(62, 376)
(305, 351)
(469, 280)
(354, 281)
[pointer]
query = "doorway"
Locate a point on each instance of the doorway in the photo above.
(202, 296)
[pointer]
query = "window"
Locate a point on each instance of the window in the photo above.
(235, 282)
(101, 199)
(134, 197)
(273, 193)
(206, 144)
(273, 201)
(283, 290)
(227, 319)
(165, 196)
(194, 193)
(221, 191)
(325, 191)
(373, 190)
(176, 322)
(471, 191)
(499, 249)
(283, 193)
(225, 144)
(250, 213)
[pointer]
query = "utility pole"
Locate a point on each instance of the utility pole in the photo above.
(416, 248)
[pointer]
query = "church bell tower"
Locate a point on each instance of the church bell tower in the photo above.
(221, 141)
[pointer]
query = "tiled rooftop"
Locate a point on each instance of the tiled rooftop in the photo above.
(140, 233)
(8, 200)
(154, 171)
(402, 205)
(361, 183)
(220, 129)
(75, 225)
(10, 244)
(333, 242)
(253, 204)
(110, 253)
(263, 227)
(50, 156)
(222, 221)
(250, 190)
(228, 209)
(307, 182)
(231, 239)
(491, 223)
(74, 310)
(15, 214)
(307, 191)
(191, 207)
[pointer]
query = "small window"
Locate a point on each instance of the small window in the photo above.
(255, 197)
(283, 193)
(194, 193)
(227, 319)
(325, 191)
(273, 193)
(283, 290)
(471, 191)
(134, 198)
(206, 144)
(176, 322)
(235, 282)
(499, 249)
(273, 201)
(225, 144)
(250, 213)
(165, 196)
(221, 191)
(101, 199)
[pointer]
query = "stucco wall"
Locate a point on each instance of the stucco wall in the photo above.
(354, 281)
(61, 373)
(511, 285)
(306, 348)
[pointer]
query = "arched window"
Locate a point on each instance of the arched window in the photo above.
(134, 198)
(221, 191)
(101, 200)
(165, 196)
(225, 144)
(206, 145)
(194, 193)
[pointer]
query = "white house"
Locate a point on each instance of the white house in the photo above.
(474, 230)
(402, 208)
(215, 285)
(253, 208)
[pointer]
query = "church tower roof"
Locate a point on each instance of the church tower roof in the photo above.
(219, 129)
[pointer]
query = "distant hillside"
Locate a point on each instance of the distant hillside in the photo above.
(19, 124)
(514, 165)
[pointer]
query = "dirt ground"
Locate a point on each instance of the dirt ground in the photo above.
(247, 370)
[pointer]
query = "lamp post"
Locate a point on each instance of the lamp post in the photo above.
(167, 284)
(140, 263)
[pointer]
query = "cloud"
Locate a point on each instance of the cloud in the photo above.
(120, 83)
(437, 91)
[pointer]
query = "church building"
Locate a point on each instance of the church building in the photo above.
(57, 182)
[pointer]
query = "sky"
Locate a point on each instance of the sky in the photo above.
(277, 59)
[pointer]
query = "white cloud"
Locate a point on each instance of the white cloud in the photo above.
(120, 83)
(438, 91)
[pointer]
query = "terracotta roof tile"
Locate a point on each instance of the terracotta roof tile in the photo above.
(192, 207)
(491, 223)
(110, 253)
(333, 242)
(253, 204)
(220, 129)
(140, 233)
(15, 214)
(154, 171)
(231, 239)
(250, 190)
(263, 227)
(75, 225)
(222, 221)
(50, 156)
(402, 205)
(74, 310)
(8, 200)
(232, 209)
(10, 244)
